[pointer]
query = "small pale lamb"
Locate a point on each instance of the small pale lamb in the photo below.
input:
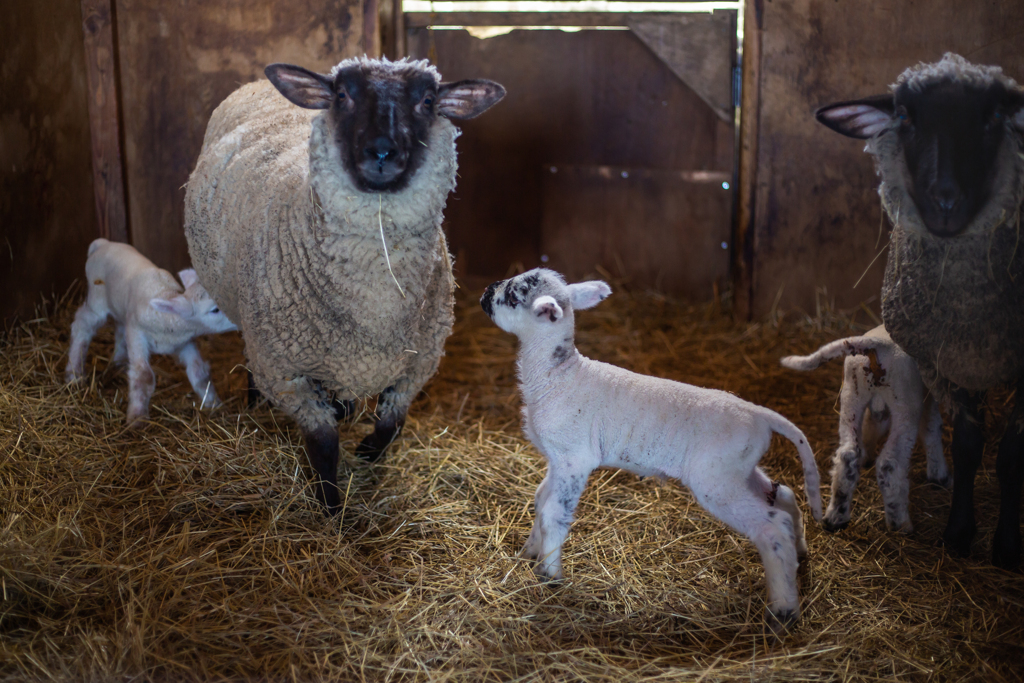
(152, 315)
(582, 414)
(882, 399)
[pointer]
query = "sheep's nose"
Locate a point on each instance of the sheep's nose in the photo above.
(946, 197)
(380, 150)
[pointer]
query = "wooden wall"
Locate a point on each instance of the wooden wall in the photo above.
(178, 61)
(46, 199)
(814, 210)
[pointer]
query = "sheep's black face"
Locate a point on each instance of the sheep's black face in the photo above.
(382, 121)
(381, 113)
(951, 136)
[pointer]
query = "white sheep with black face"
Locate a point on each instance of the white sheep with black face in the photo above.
(882, 403)
(582, 414)
(948, 143)
(314, 216)
(152, 315)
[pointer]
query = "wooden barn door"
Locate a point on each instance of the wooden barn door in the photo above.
(600, 160)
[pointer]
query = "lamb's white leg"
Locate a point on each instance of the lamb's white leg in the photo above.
(141, 380)
(531, 550)
(893, 467)
(83, 329)
(786, 500)
(744, 507)
(846, 463)
(198, 371)
(555, 511)
(930, 436)
(120, 349)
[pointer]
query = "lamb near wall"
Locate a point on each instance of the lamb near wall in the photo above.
(152, 315)
(582, 414)
(313, 216)
(948, 144)
(883, 401)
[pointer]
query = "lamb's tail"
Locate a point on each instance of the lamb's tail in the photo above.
(96, 244)
(812, 483)
(851, 346)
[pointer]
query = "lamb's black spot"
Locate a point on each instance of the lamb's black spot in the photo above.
(774, 492)
(772, 513)
(561, 353)
(776, 547)
(531, 280)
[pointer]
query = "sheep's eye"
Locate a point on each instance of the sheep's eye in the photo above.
(214, 310)
(902, 115)
(428, 101)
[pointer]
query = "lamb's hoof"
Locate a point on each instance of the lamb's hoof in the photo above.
(832, 527)
(71, 377)
(782, 622)
(944, 483)
(549, 581)
(957, 539)
(905, 528)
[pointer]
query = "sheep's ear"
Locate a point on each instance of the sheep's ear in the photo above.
(588, 294)
(179, 306)
(547, 307)
(301, 86)
(188, 277)
(468, 99)
(858, 118)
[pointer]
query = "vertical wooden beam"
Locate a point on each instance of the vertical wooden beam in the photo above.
(371, 28)
(104, 119)
(392, 29)
(750, 114)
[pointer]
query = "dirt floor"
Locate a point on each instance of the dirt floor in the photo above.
(191, 549)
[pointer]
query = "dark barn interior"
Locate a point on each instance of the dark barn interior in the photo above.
(673, 154)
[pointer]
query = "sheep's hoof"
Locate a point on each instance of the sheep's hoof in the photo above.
(945, 483)
(1006, 547)
(372, 448)
(957, 539)
(832, 527)
(782, 622)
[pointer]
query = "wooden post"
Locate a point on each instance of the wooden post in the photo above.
(104, 119)
(371, 29)
(392, 29)
(750, 114)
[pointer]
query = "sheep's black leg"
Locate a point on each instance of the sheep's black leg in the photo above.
(252, 394)
(1010, 469)
(968, 443)
(385, 431)
(322, 451)
(342, 409)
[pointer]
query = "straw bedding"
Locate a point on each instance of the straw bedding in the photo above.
(192, 549)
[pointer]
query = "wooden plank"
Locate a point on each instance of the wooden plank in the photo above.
(817, 218)
(750, 102)
(700, 50)
(415, 20)
(639, 225)
(46, 185)
(392, 28)
(178, 62)
(592, 98)
(104, 119)
(371, 29)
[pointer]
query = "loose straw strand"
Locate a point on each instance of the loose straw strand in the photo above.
(380, 222)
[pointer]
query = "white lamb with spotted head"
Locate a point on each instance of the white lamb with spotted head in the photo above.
(882, 400)
(582, 414)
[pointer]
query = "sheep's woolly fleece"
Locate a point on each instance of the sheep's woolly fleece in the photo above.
(292, 251)
(954, 303)
(398, 67)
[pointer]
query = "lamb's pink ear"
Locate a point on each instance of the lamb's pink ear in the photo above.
(588, 294)
(302, 87)
(188, 277)
(468, 99)
(179, 306)
(858, 118)
(547, 307)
